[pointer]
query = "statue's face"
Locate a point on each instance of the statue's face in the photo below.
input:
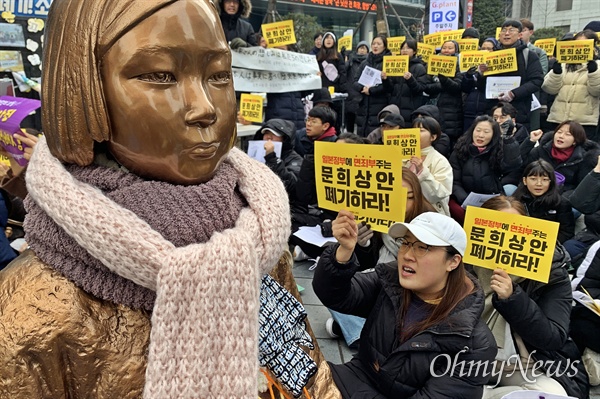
(169, 91)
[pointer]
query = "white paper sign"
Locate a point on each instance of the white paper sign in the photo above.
(496, 85)
(476, 199)
(249, 81)
(535, 103)
(313, 235)
(370, 77)
(273, 60)
(256, 149)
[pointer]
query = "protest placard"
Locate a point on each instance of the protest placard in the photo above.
(547, 45)
(266, 59)
(11, 61)
(409, 141)
(395, 65)
(500, 84)
(521, 245)
(383, 225)
(251, 107)
(575, 51)
(345, 41)
(500, 61)
(370, 77)
(252, 81)
(498, 30)
(256, 149)
(279, 33)
(442, 65)
(363, 178)
(450, 35)
(12, 111)
(425, 51)
(433, 39)
(394, 44)
(470, 59)
(468, 45)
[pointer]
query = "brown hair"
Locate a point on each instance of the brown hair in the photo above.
(526, 23)
(458, 287)
(421, 205)
(501, 202)
(79, 34)
(576, 130)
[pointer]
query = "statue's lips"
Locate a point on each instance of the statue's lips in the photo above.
(203, 150)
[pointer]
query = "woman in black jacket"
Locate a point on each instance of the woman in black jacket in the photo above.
(408, 89)
(376, 97)
(479, 160)
(423, 313)
(450, 100)
(542, 199)
(331, 64)
(353, 65)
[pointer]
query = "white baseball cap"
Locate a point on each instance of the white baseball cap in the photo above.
(435, 229)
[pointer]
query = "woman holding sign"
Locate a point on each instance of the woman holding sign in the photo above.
(530, 323)
(577, 90)
(423, 311)
(376, 95)
(408, 89)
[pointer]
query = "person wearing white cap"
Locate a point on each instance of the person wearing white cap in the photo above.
(423, 312)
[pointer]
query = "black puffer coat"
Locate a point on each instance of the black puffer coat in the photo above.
(384, 368)
(352, 68)
(286, 106)
(562, 214)
(450, 104)
(475, 103)
(378, 98)
(581, 162)
(442, 144)
(408, 94)
(475, 174)
(234, 26)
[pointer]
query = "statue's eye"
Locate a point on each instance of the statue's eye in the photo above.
(158, 77)
(220, 77)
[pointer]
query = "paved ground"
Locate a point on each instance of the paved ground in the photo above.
(336, 351)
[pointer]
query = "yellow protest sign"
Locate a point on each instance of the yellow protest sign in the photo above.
(521, 245)
(442, 65)
(279, 33)
(345, 41)
(366, 179)
(409, 141)
(4, 160)
(468, 44)
(500, 61)
(251, 107)
(433, 39)
(498, 30)
(546, 44)
(395, 65)
(469, 59)
(395, 43)
(450, 35)
(575, 51)
(425, 51)
(383, 225)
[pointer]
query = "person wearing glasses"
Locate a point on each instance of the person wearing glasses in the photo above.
(423, 312)
(529, 69)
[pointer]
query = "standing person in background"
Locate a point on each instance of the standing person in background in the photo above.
(408, 89)
(475, 103)
(355, 60)
(529, 70)
(331, 64)
(238, 32)
(526, 33)
(377, 97)
(577, 90)
(318, 38)
(450, 99)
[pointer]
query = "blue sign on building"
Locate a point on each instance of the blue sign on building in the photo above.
(450, 16)
(436, 16)
(26, 8)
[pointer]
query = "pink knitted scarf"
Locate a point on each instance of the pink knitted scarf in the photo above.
(205, 317)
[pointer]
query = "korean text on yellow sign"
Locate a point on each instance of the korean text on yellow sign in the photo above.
(575, 51)
(409, 141)
(395, 65)
(425, 51)
(521, 245)
(363, 178)
(279, 33)
(468, 44)
(470, 59)
(433, 39)
(345, 41)
(442, 65)
(546, 44)
(251, 107)
(450, 35)
(500, 61)
(394, 44)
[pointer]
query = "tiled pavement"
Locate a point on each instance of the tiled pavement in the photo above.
(336, 351)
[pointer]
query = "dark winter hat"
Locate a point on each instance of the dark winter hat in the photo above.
(279, 127)
(363, 43)
(593, 25)
(470, 33)
(322, 96)
(393, 120)
(329, 34)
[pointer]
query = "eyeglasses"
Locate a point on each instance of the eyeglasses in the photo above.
(419, 249)
(537, 180)
(509, 30)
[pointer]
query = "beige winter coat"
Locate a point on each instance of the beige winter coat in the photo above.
(577, 95)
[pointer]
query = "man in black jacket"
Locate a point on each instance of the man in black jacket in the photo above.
(238, 32)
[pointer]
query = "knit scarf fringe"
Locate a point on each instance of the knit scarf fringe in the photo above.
(204, 334)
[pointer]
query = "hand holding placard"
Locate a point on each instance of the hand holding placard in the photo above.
(345, 232)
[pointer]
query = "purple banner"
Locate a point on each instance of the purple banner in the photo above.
(12, 111)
